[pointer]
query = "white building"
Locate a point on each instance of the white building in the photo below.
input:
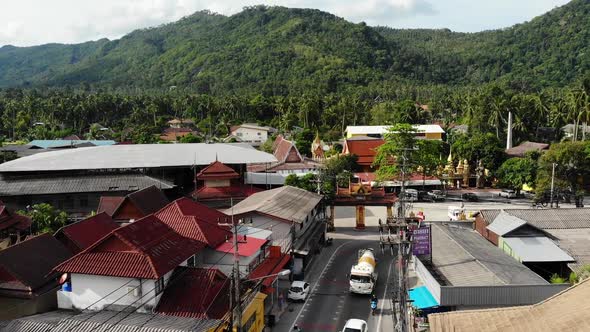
(250, 133)
(128, 268)
(289, 213)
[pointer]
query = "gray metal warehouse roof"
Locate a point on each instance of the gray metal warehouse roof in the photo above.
(45, 185)
(138, 156)
(465, 258)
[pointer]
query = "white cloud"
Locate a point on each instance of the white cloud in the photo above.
(30, 22)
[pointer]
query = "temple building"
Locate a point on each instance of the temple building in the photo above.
(217, 185)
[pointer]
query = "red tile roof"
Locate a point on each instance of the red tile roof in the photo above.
(197, 293)
(10, 219)
(27, 266)
(366, 150)
(217, 171)
(247, 246)
(286, 151)
(146, 201)
(85, 233)
(109, 204)
(195, 221)
(145, 249)
(221, 193)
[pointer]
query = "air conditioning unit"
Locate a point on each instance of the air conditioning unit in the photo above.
(134, 291)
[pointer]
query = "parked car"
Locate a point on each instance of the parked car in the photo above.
(436, 195)
(508, 193)
(470, 197)
(355, 325)
(424, 197)
(299, 291)
(411, 195)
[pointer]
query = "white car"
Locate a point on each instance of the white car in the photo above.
(355, 325)
(299, 291)
(507, 193)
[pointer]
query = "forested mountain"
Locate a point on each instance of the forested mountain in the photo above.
(281, 51)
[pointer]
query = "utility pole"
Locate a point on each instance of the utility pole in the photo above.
(237, 278)
(235, 301)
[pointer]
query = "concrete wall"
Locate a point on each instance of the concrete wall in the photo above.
(224, 261)
(88, 289)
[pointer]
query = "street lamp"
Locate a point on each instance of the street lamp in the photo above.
(282, 273)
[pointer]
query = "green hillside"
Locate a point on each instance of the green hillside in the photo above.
(281, 51)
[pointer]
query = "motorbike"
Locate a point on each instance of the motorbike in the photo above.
(373, 307)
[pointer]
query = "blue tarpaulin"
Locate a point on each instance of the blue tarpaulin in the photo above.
(422, 298)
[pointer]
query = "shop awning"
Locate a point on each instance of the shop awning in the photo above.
(422, 298)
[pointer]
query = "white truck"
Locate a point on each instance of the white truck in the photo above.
(363, 277)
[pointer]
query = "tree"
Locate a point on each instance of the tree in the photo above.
(400, 143)
(516, 172)
(572, 166)
(427, 158)
(190, 138)
(303, 141)
(46, 219)
(485, 147)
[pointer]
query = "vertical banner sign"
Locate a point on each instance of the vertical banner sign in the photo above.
(421, 241)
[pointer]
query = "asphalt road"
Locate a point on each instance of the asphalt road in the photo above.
(330, 303)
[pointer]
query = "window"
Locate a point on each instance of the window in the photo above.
(258, 133)
(239, 134)
(159, 285)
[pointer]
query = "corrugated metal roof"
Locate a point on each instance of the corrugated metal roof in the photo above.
(287, 203)
(49, 184)
(554, 218)
(505, 223)
(547, 218)
(465, 258)
(576, 242)
(138, 156)
(364, 130)
(68, 321)
(58, 143)
(537, 249)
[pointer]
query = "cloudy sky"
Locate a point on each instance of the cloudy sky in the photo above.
(32, 22)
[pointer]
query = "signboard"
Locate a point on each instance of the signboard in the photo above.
(421, 241)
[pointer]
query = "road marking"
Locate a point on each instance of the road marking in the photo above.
(316, 284)
(383, 299)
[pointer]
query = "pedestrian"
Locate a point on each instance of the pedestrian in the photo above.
(296, 328)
